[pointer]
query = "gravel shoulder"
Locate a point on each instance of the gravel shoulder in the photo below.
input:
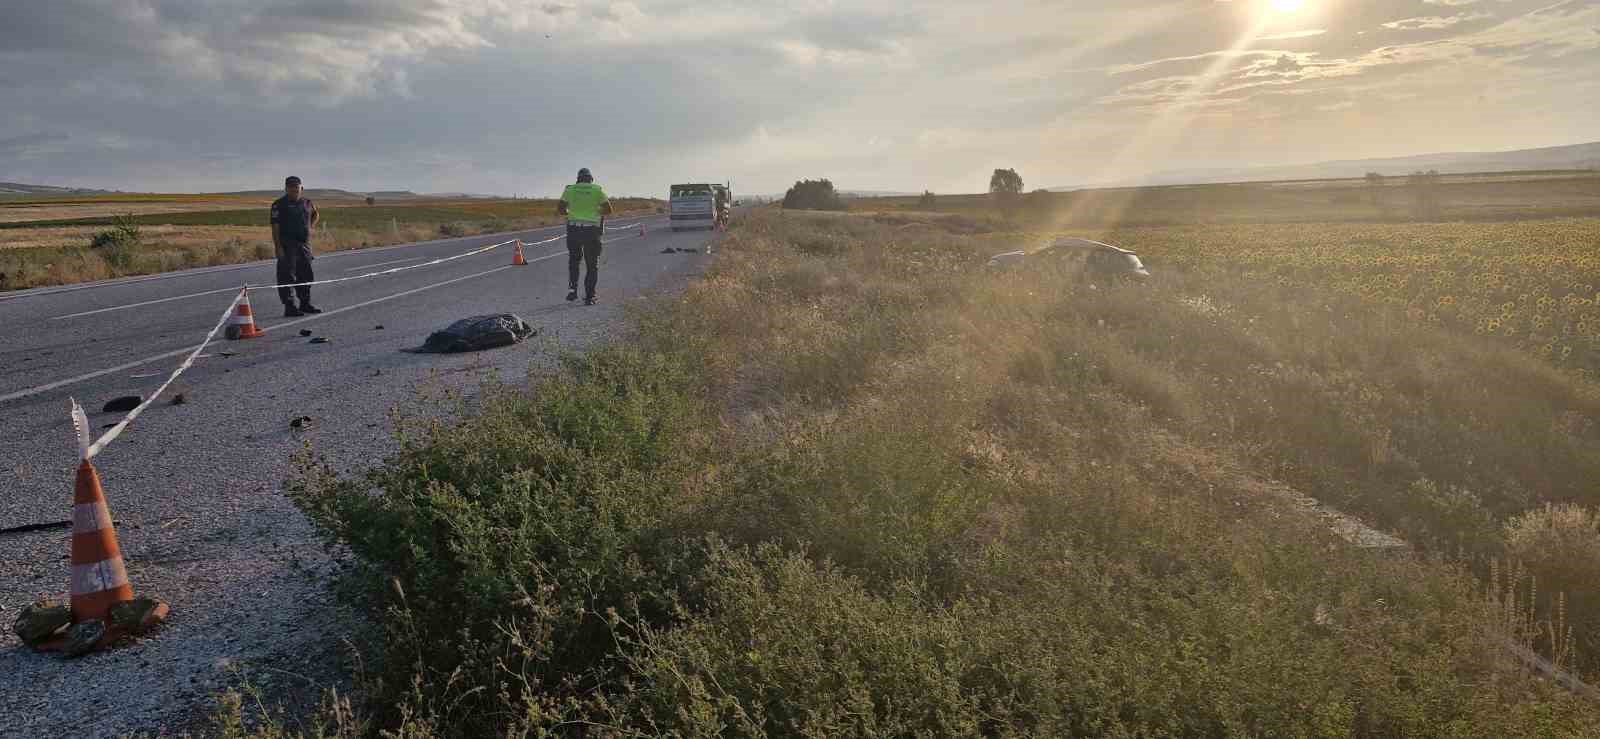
(196, 493)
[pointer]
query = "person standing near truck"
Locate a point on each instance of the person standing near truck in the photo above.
(585, 205)
(293, 219)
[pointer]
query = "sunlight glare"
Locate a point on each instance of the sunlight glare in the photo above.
(1287, 6)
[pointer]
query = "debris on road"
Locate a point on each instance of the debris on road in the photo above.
(123, 404)
(378, 327)
(320, 340)
(26, 528)
(300, 422)
(305, 332)
(179, 399)
(477, 333)
(227, 354)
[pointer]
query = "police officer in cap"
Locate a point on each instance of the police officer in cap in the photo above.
(585, 205)
(293, 219)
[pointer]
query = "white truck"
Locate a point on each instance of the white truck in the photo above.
(693, 206)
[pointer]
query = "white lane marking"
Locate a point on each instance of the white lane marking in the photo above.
(97, 373)
(42, 292)
(147, 302)
(177, 352)
(384, 264)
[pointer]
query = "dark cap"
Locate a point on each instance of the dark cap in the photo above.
(583, 174)
(291, 180)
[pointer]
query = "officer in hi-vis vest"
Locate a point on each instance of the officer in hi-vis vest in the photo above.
(585, 205)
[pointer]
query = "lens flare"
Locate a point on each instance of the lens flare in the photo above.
(1287, 6)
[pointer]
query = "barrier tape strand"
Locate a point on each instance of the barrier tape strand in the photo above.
(81, 421)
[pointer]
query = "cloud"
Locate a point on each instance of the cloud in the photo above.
(1435, 21)
(1294, 34)
(513, 95)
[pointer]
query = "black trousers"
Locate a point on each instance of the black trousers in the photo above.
(295, 266)
(583, 245)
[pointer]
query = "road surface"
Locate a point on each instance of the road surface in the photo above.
(195, 488)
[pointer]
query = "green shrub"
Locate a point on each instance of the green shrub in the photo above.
(119, 244)
(498, 544)
(812, 195)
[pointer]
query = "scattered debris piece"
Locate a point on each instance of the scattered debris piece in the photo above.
(477, 332)
(320, 340)
(108, 425)
(179, 399)
(305, 332)
(378, 327)
(123, 404)
(41, 622)
(668, 250)
(227, 354)
(300, 422)
(25, 528)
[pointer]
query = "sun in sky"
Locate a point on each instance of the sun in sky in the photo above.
(1287, 6)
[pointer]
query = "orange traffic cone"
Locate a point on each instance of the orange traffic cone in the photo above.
(517, 260)
(99, 580)
(243, 323)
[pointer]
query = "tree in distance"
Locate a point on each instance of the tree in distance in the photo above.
(1005, 185)
(812, 195)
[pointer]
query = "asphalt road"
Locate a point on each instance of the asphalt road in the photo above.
(195, 488)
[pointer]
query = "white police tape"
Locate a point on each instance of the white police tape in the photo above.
(393, 270)
(80, 421)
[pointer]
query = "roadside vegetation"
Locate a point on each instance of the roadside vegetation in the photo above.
(60, 251)
(854, 484)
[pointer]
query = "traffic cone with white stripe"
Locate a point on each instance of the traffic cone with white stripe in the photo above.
(517, 260)
(243, 323)
(99, 579)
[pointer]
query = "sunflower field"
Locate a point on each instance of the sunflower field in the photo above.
(1534, 285)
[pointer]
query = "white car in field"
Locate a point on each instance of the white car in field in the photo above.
(1095, 258)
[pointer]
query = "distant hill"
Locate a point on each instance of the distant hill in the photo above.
(1575, 156)
(16, 189)
(325, 193)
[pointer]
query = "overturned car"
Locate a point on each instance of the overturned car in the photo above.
(1096, 260)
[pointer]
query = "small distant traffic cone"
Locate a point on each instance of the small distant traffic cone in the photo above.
(641, 229)
(517, 260)
(243, 323)
(99, 580)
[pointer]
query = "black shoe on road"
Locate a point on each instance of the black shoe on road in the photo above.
(309, 309)
(290, 311)
(572, 295)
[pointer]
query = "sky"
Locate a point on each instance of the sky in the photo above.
(506, 97)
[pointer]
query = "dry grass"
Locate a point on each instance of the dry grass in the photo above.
(22, 212)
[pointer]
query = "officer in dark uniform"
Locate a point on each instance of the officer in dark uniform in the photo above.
(293, 219)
